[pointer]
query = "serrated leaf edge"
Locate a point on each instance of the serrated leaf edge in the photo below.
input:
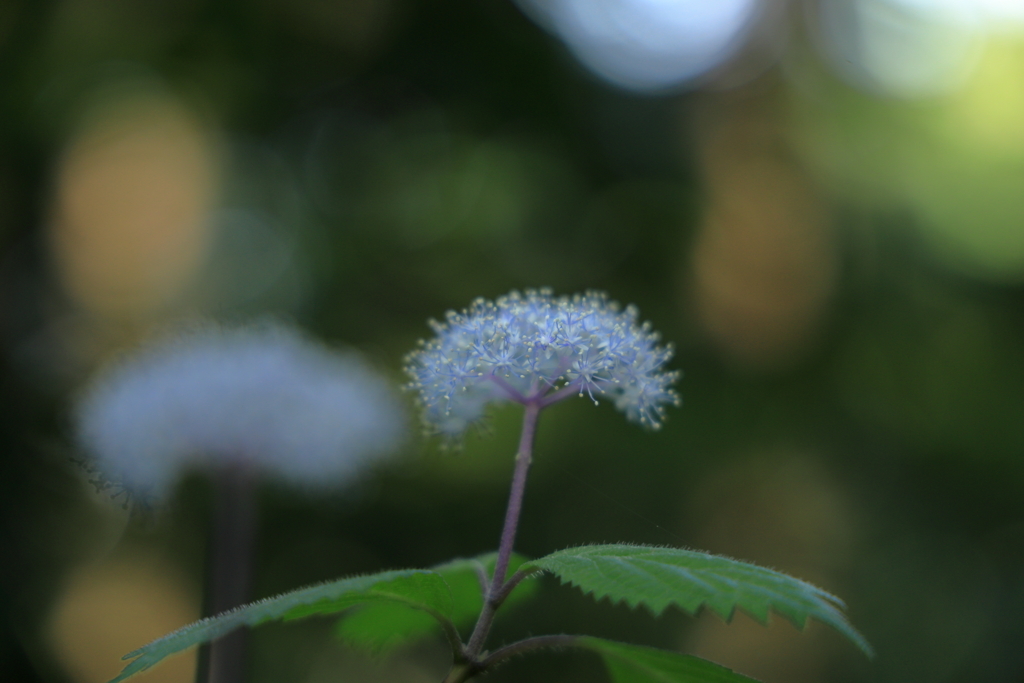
(831, 604)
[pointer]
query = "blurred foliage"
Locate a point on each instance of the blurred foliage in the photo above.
(859, 358)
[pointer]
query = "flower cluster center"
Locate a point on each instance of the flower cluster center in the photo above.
(538, 349)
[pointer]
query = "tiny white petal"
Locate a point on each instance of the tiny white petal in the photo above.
(521, 346)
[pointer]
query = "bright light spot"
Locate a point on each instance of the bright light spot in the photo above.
(647, 44)
(985, 117)
(1003, 14)
(954, 164)
(903, 48)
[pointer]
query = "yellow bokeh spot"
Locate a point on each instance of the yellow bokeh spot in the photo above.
(988, 114)
(763, 261)
(108, 610)
(132, 197)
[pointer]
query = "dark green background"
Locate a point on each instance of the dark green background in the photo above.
(902, 422)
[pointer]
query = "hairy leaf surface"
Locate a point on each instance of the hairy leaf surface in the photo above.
(420, 588)
(659, 577)
(637, 664)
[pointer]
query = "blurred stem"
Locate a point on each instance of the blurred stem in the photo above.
(463, 671)
(496, 592)
(554, 642)
(229, 570)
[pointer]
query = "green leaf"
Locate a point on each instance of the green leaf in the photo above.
(420, 588)
(636, 664)
(383, 626)
(659, 577)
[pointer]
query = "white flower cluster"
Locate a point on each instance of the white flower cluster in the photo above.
(261, 396)
(536, 348)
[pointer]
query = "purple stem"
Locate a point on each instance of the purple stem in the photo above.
(528, 645)
(466, 670)
(514, 581)
(565, 392)
(512, 392)
(232, 542)
(515, 500)
(495, 594)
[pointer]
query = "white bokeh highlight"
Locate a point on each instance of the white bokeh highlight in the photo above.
(911, 48)
(647, 45)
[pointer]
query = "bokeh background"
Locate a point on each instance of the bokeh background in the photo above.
(821, 204)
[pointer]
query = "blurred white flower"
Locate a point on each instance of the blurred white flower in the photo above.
(647, 44)
(263, 397)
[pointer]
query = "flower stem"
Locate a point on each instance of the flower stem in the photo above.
(495, 593)
(229, 573)
(563, 393)
(515, 500)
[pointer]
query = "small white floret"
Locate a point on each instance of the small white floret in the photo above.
(536, 348)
